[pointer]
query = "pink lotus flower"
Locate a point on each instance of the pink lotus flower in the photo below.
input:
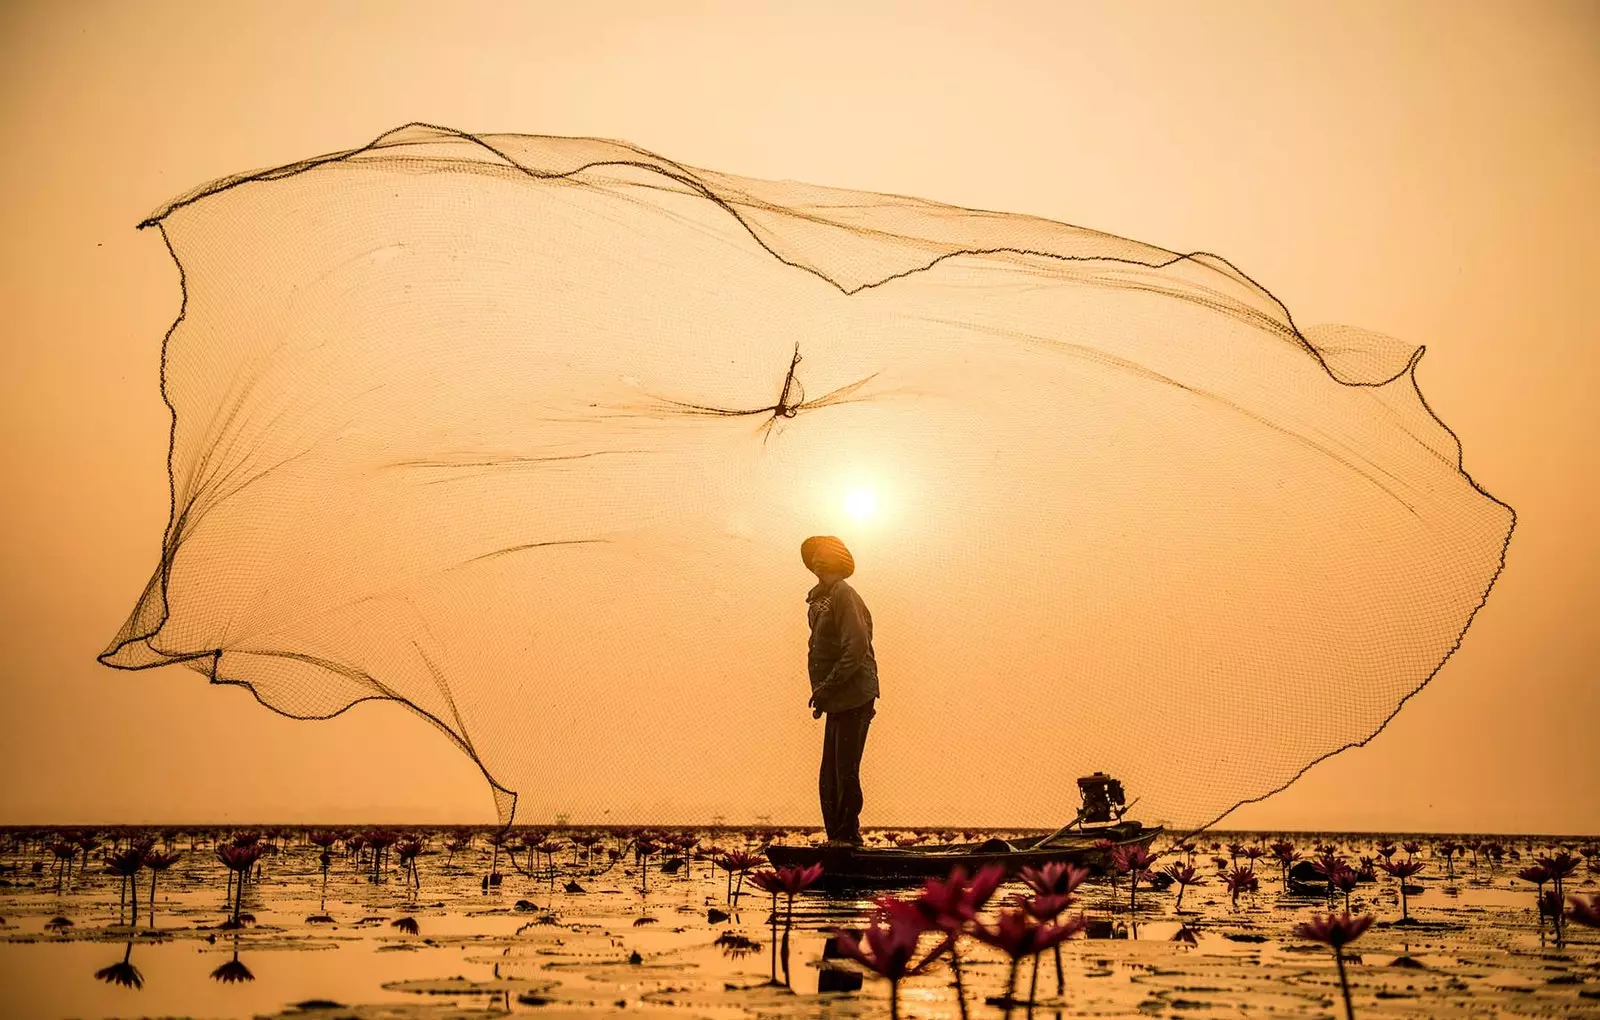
(239, 859)
(1046, 907)
(1402, 870)
(791, 882)
(889, 951)
(1132, 858)
(157, 862)
(1286, 854)
(1135, 861)
(1328, 865)
(953, 904)
(1336, 932)
(737, 862)
(127, 864)
(1345, 881)
(1185, 876)
(1241, 880)
(1019, 936)
(1054, 877)
(1560, 866)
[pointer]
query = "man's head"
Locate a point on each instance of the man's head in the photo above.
(827, 557)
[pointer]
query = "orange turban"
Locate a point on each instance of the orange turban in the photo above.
(826, 549)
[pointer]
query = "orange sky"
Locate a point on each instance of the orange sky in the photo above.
(1427, 174)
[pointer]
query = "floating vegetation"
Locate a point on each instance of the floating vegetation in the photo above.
(984, 943)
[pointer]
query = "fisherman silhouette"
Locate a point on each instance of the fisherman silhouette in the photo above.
(844, 682)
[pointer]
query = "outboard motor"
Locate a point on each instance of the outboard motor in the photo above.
(1103, 799)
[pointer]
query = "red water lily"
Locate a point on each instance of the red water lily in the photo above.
(1344, 880)
(239, 860)
(1402, 870)
(1559, 866)
(1241, 880)
(1134, 860)
(1046, 907)
(1053, 877)
(127, 865)
(1336, 932)
(1286, 854)
(1018, 935)
(1185, 876)
(790, 882)
(157, 862)
(891, 944)
(953, 904)
(737, 862)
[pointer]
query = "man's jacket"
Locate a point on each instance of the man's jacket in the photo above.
(844, 673)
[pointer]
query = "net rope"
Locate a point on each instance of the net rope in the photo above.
(525, 432)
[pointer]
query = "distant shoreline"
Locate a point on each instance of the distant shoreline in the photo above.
(487, 826)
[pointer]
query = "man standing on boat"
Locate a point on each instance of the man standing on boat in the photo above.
(844, 682)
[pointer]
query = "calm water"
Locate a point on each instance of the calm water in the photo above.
(532, 947)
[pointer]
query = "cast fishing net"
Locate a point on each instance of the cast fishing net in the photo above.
(512, 430)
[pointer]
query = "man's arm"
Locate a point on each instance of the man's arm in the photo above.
(853, 641)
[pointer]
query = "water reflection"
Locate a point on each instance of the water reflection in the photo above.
(736, 946)
(594, 940)
(233, 971)
(123, 973)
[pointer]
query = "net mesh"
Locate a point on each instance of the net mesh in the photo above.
(525, 432)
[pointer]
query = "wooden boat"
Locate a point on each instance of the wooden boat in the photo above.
(851, 867)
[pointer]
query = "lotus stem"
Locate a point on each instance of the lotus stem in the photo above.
(1344, 984)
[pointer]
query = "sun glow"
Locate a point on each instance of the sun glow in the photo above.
(861, 504)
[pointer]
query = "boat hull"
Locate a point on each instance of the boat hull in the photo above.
(852, 867)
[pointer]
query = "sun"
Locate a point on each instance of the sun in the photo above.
(861, 504)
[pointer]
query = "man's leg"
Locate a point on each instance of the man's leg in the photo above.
(852, 742)
(828, 778)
